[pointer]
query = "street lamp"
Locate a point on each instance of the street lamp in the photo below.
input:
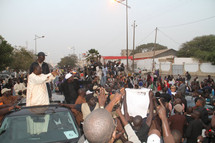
(126, 5)
(72, 48)
(37, 37)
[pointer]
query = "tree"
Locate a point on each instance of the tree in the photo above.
(92, 54)
(202, 48)
(148, 47)
(22, 59)
(5, 54)
(68, 61)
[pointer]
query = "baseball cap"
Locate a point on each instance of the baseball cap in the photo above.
(178, 108)
(41, 54)
(5, 90)
(88, 97)
(68, 76)
(89, 92)
(153, 138)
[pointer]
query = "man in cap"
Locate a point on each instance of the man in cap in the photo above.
(7, 98)
(45, 69)
(69, 89)
(85, 108)
(178, 121)
(37, 93)
(90, 105)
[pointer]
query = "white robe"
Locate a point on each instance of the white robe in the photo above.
(17, 87)
(37, 93)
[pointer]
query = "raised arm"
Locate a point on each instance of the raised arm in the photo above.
(114, 101)
(71, 106)
(130, 132)
(168, 138)
(151, 107)
(125, 106)
(7, 109)
(102, 98)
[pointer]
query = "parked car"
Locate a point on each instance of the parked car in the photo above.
(40, 124)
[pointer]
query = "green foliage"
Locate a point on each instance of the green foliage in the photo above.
(5, 53)
(148, 47)
(22, 59)
(92, 54)
(68, 61)
(202, 48)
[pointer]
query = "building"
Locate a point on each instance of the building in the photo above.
(124, 51)
(145, 60)
(156, 54)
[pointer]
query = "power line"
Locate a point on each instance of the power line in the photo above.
(178, 25)
(171, 9)
(145, 37)
(169, 37)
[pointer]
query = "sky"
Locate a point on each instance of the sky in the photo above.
(76, 26)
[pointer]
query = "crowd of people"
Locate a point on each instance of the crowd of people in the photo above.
(178, 106)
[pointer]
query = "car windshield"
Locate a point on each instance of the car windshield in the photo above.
(38, 128)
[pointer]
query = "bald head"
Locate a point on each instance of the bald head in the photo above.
(137, 120)
(99, 126)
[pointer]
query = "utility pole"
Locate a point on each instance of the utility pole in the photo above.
(134, 26)
(126, 12)
(127, 32)
(153, 62)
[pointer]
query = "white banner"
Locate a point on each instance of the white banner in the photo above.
(137, 101)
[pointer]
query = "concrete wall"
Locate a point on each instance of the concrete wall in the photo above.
(144, 64)
(185, 60)
(165, 66)
(191, 67)
(207, 68)
(188, 64)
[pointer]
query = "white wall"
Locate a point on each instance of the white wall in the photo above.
(147, 64)
(165, 66)
(207, 68)
(180, 61)
(191, 67)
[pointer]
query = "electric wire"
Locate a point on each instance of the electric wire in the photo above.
(169, 37)
(146, 37)
(188, 23)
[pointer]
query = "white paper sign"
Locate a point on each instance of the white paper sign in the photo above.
(70, 134)
(137, 101)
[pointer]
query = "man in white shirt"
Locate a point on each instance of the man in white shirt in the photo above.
(37, 93)
(19, 86)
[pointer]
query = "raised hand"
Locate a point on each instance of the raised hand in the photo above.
(117, 97)
(102, 97)
(122, 91)
(161, 110)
